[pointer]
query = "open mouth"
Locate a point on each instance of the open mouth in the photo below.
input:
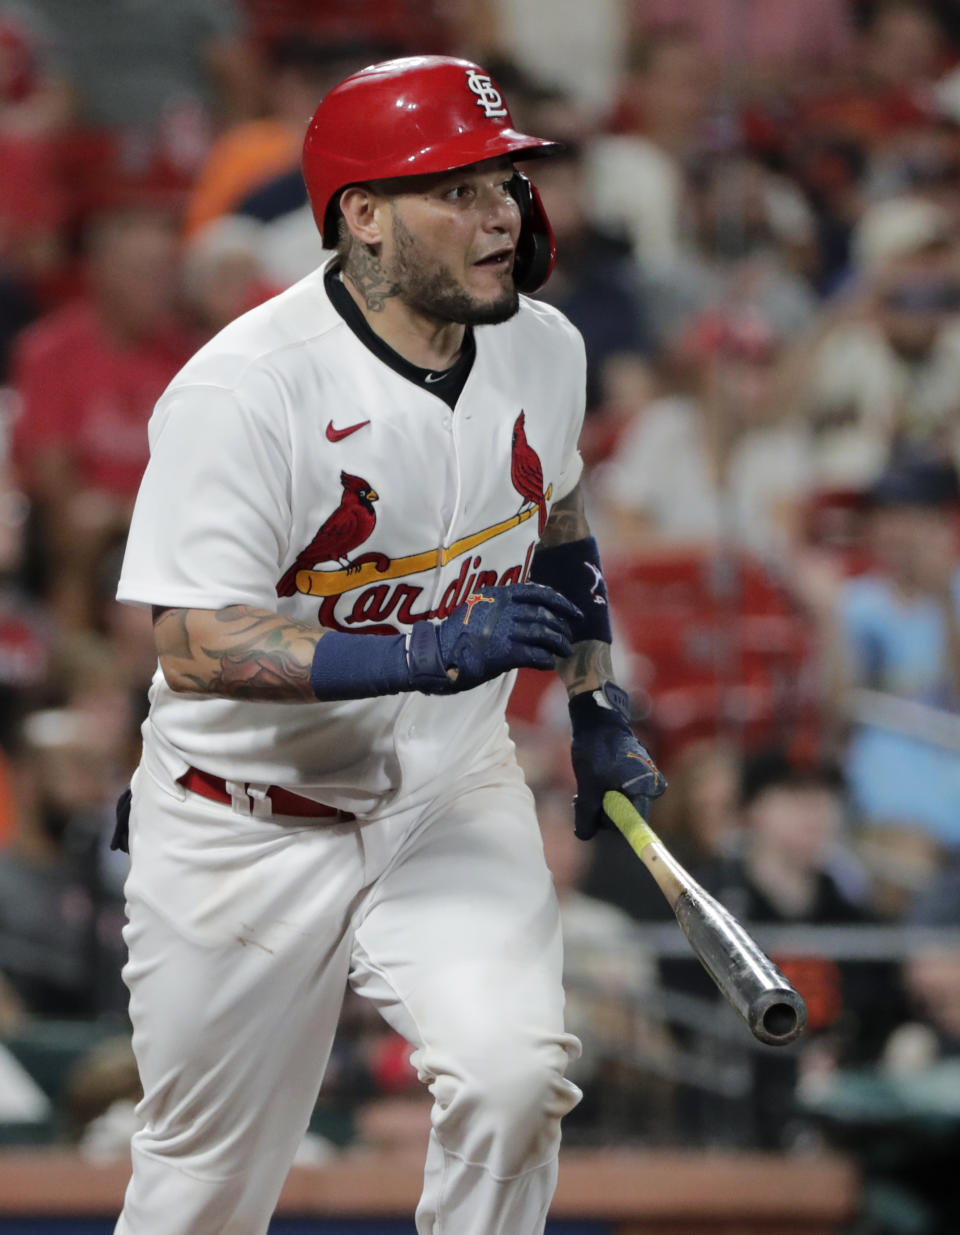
(500, 260)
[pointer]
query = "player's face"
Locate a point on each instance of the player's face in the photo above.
(451, 245)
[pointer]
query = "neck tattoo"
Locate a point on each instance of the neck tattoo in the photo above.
(366, 273)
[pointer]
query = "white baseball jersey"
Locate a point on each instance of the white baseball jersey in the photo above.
(288, 455)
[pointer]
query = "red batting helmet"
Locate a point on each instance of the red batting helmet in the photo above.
(417, 116)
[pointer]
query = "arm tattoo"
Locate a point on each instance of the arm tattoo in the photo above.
(588, 668)
(590, 665)
(237, 653)
(567, 522)
(365, 271)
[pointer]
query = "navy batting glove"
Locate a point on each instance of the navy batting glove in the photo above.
(606, 755)
(496, 629)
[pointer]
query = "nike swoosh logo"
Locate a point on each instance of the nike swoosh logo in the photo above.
(337, 435)
(434, 377)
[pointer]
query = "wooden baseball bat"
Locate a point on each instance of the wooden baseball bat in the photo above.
(746, 977)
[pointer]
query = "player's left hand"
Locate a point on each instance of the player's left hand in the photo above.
(606, 755)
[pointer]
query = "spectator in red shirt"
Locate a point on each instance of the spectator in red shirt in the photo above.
(412, 26)
(34, 111)
(88, 376)
(34, 204)
(889, 92)
(760, 46)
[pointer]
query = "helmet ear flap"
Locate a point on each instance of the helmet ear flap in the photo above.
(536, 248)
(330, 231)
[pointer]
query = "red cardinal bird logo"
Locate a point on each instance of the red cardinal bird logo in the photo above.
(349, 526)
(526, 473)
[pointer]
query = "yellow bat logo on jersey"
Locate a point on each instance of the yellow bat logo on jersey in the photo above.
(336, 582)
(380, 603)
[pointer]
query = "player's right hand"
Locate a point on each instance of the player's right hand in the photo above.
(496, 629)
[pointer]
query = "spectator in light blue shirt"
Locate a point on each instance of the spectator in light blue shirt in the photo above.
(899, 636)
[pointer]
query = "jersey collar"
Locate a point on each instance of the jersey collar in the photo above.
(446, 384)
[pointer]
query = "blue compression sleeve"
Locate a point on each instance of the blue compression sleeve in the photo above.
(573, 569)
(359, 666)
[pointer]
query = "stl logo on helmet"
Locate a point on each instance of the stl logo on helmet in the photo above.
(488, 96)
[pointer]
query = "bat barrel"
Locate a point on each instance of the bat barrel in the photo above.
(752, 984)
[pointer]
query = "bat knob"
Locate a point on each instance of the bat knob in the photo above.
(777, 1016)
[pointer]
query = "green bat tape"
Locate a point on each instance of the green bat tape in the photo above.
(629, 820)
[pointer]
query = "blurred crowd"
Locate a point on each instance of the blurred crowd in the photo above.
(758, 225)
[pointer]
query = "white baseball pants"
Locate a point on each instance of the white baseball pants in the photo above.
(243, 933)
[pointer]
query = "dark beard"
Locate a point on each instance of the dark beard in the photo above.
(431, 290)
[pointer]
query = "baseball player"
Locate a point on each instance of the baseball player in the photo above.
(360, 516)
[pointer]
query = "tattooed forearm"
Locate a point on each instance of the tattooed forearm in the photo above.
(365, 271)
(239, 652)
(567, 522)
(589, 667)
